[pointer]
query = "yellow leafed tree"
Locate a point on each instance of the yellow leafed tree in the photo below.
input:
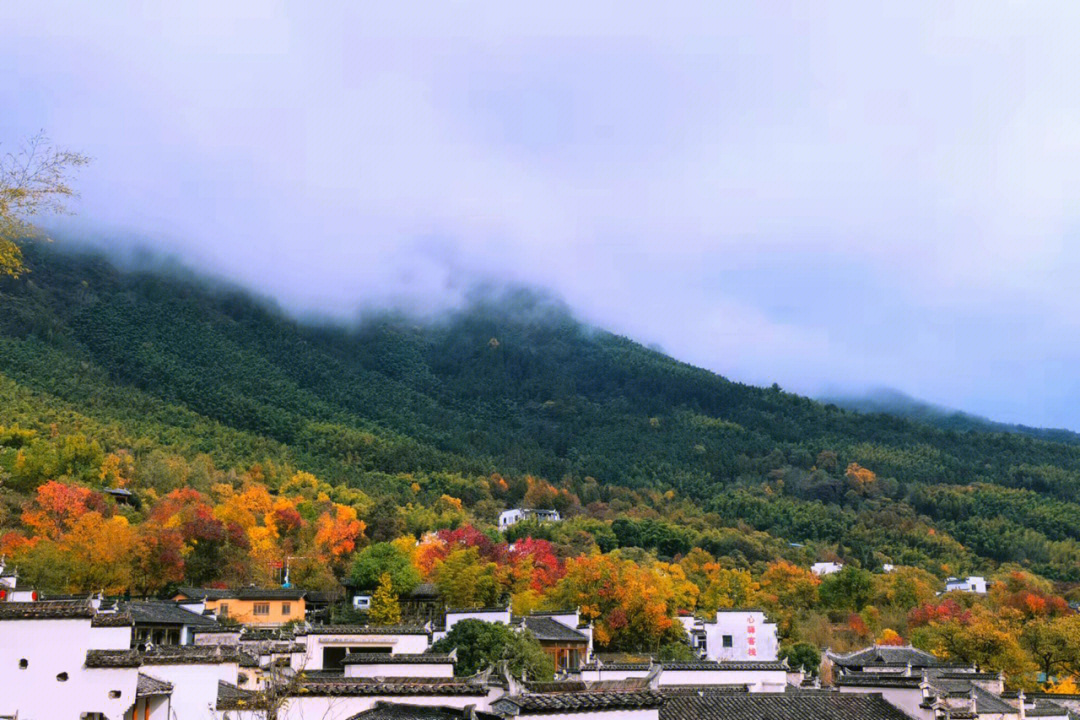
(33, 183)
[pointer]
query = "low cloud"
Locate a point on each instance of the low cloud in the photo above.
(808, 194)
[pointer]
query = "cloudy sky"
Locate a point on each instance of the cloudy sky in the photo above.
(817, 194)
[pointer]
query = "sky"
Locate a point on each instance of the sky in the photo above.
(825, 195)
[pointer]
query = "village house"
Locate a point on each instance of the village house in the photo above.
(249, 605)
(925, 688)
(735, 634)
(401, 665)
(971, 584)
(751, 676)
(46, 661)
(10, 588)
(511, 517)
(164, 623)
(562, 636)
(826, 568)
(327, 645)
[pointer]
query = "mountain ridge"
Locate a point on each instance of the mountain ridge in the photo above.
(894, 402)
(512, 384)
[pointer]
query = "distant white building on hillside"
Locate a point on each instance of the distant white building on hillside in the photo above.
(826, 568)
(516, 515)
(972, 584)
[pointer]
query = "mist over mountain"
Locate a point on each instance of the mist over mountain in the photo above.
(894, 402)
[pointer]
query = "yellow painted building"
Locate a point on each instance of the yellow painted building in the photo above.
(250, 605)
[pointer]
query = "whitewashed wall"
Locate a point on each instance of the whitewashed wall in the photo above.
(51, 647)
(195, 686)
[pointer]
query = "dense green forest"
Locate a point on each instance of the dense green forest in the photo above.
(509, 384)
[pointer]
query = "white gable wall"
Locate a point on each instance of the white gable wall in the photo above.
(51, 647)
(753, 637)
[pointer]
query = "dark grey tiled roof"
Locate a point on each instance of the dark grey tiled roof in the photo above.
(548, 630)
(879, 679)
(1043, 708)
(778, 706)
(559, 686)
(231, 697)
(190, 655)
(886, 655)
(532, 703)
(152, 686)
(46, 610)
(165, 613)
(112, 658)
(403, 711)
(325, 686)
(703, 665)
(424, 590)
(112, 619)
(211, 629)
(399, 659)
(265, 634)
(366, 630)
(244, 593)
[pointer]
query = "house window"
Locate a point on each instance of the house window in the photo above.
(286, 608)
(224, 610)
(727, 641)
(262, 609)
(23, 664)
(62, 677)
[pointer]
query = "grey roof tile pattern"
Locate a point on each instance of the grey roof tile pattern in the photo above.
(546, 629)
(190, 655)
(404, 711)
(398, 659)
(166, 613)
(46, 610)
(325, 686)
(366, 630)
(148, 685)
(778, 706)
(244, 593)
(886, 655)
(113, 658)
(112, 619)
(231, 697)
(698, 665)
(532, 703)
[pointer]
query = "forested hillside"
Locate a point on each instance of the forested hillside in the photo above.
(173, 388)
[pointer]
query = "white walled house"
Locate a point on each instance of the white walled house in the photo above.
(516, 515)
(46, 664)
(11, 590)
(327, 645)
(194, 672)
(339, 698)
(826, 568)
(500, 616)
(735, 634)
(763, 676)
(971, 584)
